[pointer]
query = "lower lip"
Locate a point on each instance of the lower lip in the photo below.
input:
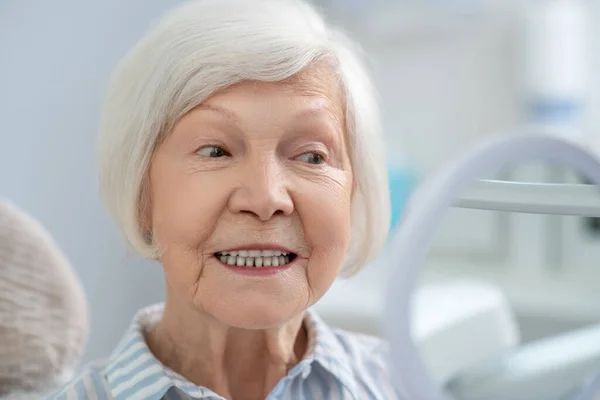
(258, 271)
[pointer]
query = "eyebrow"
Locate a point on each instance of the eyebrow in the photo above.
(302, 116)
(322, 110)
(315, 110)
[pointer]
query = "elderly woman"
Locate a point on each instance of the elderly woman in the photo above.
(240, 147)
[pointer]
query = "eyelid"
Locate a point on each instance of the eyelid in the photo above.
(314, 147)
(332, 153)
(208, 137)
(318, 152)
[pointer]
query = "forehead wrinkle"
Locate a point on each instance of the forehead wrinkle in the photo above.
(317, 83)
(324, 88)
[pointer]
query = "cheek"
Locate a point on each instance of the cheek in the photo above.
(324, 207)
(183, 214)
(185, 207)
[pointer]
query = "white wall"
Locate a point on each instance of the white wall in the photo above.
(55, 59)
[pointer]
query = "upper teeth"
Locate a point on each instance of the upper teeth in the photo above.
(254, 258)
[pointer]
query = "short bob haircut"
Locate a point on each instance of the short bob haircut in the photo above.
(204, 46)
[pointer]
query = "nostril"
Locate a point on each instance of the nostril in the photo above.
(262, 216)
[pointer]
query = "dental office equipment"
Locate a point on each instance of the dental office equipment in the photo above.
(401, 182)
(413, 237)
(547, 368)
(445, 315)
(555, 51)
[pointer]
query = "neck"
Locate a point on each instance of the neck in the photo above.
(233, 362)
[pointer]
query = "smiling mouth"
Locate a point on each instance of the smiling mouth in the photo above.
(256, 258)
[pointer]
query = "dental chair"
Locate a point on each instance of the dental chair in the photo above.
(557, 368)
(551, 368)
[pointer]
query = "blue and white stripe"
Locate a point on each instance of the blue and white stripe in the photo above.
(338, 365)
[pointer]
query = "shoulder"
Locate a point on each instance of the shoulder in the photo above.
(368, 358)
(359, 361)
(89, 383)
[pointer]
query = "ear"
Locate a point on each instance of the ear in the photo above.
(145, 209)
(354, 187)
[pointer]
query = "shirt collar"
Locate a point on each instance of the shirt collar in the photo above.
(325, 348)
(133, 370)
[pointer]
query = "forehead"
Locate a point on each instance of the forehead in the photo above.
(316, 80)
(315, 87)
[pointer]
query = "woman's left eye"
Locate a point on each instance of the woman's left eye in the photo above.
(213, 152)
(311, 158)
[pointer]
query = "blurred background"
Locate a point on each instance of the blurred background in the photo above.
(449, 72)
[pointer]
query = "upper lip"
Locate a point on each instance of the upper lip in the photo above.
(259, 247)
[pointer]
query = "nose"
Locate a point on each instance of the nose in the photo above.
(262, 191)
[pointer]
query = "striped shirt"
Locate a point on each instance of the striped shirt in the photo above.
(337, 365)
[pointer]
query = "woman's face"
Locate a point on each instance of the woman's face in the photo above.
(250, 200)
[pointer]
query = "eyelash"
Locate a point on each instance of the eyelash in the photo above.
(313, 153)
(225, 153)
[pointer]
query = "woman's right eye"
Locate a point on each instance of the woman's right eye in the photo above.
(213, 152)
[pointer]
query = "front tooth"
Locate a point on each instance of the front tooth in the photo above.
(258, 261)
(241, 261)
(254, 253)
(275, 261)
(231, 260)
(243, 253)
(282, 260)
(267, 261)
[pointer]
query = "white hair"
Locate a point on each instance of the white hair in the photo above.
(203, 46)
